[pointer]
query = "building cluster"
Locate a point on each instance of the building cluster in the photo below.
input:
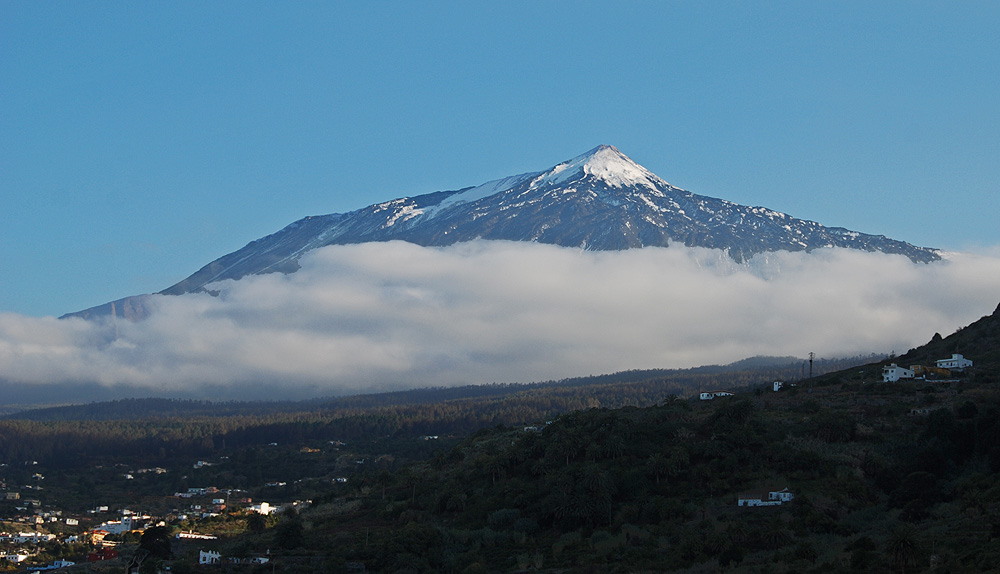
(23, 545)
(942, 368)
(101, 530)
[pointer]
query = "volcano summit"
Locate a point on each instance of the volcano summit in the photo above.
(601, 200)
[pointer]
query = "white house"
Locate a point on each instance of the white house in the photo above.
(709, 395)
(956, 363)
(195, 536)
(208, 557)
(765, 498)
(117, 526)
(32, 538)
(54, 566)
(894, 372)
(263, 508)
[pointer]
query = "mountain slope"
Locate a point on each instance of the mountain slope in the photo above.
(979, 341)
(600, 200)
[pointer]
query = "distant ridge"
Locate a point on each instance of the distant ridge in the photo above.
(164, 408)
(600, 200)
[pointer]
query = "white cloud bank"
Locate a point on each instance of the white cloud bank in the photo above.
(381, 316)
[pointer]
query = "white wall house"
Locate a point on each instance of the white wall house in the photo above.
(116, 526)
(955, 363)
(709, 395)
(765, 498)
(195, 536)
(263, 508)
(32, 538)
(894, 372)
(208, 557)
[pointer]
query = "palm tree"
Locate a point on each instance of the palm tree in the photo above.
(613, 446)
(902, 547)
(657, 464)
(737, 532)
(498, 467)
(776, 535)
(678, 462)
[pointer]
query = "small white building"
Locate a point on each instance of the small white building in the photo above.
(32, 538)
(894, 372)
(956, 363)
(263, 508)
(195, 536)
(765, 498)
(117, 526)
(208, 557)
(709, 395)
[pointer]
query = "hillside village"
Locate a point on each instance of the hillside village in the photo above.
(36, 534)
(39, 531)
(824, 471)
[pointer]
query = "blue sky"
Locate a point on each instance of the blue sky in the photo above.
(141, 140)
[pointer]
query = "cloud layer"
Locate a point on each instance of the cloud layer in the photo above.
(381, 316)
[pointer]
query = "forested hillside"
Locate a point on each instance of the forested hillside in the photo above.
(897, 477)
(169, 429)
(623, 473)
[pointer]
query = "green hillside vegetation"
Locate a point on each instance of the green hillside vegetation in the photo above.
(655, 489)
(140, 431)
(604, 476)
(887, 477)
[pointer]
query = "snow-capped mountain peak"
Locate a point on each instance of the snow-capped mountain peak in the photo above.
(604, 163)
(601, 200)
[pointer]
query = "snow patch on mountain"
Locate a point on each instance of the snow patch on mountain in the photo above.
(479, 192)
(606, 164)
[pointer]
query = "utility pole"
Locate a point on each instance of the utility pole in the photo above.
(811, 357)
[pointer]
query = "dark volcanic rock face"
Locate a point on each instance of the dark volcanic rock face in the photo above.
(601, 200)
